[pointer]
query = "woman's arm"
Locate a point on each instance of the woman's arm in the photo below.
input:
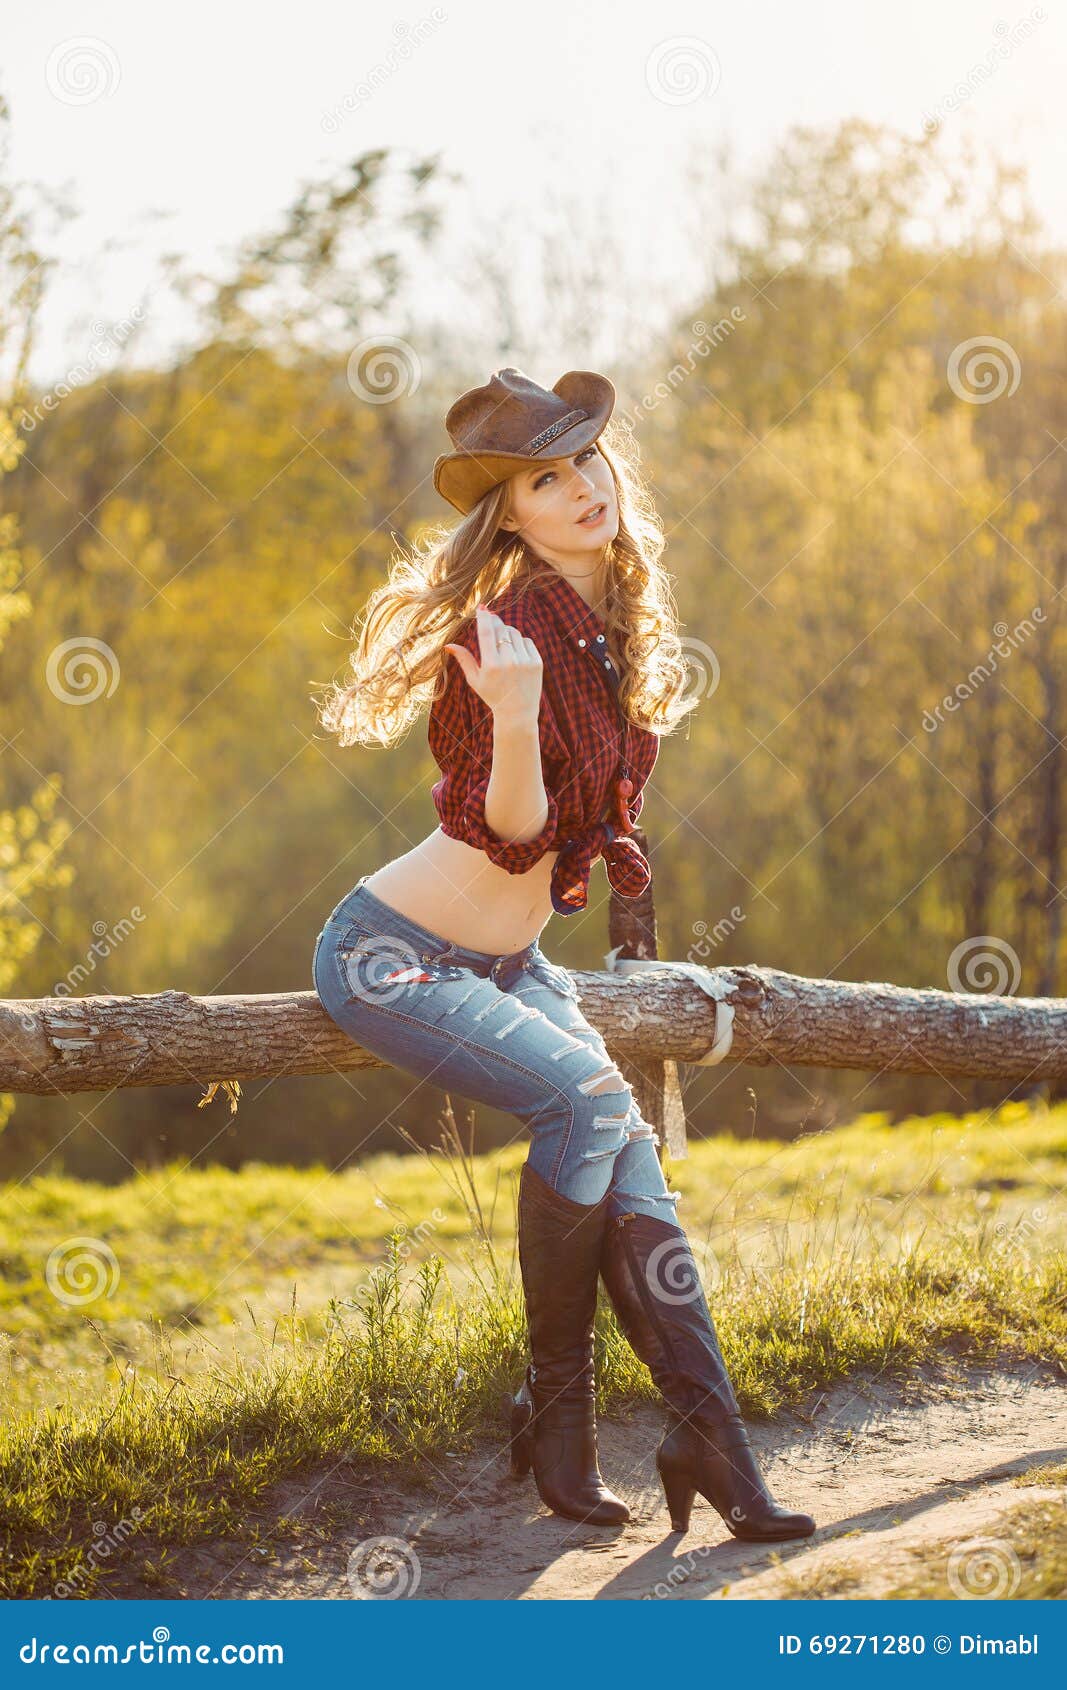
(516, 804)
(485, 736)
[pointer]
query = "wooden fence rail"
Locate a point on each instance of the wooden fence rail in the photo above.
(50, 1045)
(652, 1015)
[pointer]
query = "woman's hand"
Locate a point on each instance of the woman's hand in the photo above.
(508, 679)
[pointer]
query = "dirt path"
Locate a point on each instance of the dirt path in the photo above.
(884, 1470)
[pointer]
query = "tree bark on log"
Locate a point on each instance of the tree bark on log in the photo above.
(66, 1045)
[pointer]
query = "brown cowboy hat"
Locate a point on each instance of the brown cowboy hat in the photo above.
(512, 422)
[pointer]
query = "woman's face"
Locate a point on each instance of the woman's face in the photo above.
(565, 507)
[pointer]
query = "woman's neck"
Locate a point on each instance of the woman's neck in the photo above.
(589, 584)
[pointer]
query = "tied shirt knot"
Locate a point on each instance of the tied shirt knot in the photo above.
(627, 867)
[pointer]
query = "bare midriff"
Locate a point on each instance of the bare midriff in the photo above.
(452, 889)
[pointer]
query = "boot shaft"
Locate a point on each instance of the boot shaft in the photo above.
(560, 1246)
(651, 1277)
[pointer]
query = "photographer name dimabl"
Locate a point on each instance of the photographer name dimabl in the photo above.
(967, 1643)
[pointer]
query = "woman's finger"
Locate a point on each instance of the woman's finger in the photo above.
(503, 645)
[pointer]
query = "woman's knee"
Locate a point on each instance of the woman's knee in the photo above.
(617, 1150)
(604, 1117)
(637, 1184)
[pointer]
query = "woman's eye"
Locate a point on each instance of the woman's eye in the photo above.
(586, 452)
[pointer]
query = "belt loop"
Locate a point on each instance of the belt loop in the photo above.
(447, 954)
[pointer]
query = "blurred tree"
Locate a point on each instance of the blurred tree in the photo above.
(31, 835)
(850, 524)
(854, 440)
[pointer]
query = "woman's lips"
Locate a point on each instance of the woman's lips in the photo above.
(592, 517)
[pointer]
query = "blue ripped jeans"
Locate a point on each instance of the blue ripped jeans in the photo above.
(503, 1030)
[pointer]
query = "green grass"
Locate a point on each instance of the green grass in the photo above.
(207, 1260)
(262, 1323)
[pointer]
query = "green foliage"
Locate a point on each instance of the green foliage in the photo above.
(846, 534)
(31, 833)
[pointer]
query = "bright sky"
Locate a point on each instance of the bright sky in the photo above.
(184, 129)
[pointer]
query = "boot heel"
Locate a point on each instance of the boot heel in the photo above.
(520, 1457)
(519, 1441)
(680, 1492)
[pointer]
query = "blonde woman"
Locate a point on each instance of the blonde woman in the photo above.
(540, 629)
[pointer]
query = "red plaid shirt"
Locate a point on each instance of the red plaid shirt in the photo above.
(587, 747)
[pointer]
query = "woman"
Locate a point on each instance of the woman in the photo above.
(560, 685)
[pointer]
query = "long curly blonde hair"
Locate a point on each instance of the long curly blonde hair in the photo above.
(434, 586)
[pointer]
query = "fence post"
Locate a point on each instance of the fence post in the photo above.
(655, 1083)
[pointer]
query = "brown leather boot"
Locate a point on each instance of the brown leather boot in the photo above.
(652, 1280)
(553, 1413)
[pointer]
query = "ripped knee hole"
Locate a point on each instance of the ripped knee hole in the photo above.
(604, 1080)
